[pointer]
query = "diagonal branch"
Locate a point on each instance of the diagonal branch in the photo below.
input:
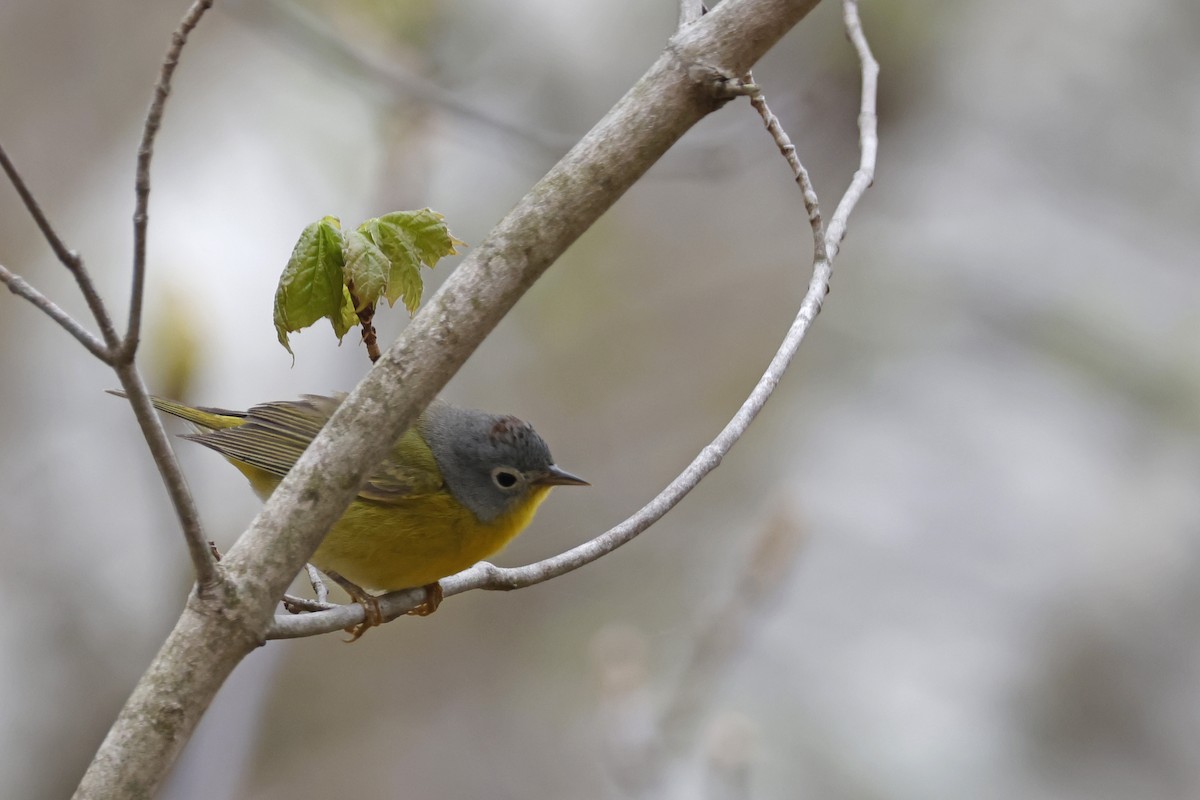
(204, 564)
(488, 576)
(683, 86)
(69, 259)
(113, 351)
(20, 287)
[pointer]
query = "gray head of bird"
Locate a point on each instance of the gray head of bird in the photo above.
(490, 462)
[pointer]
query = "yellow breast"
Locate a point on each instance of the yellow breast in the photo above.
(414, 543)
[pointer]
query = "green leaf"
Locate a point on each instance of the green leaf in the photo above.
(311, 286)
(347, 318)
(428, 232)
(409, 239)
(366, 269)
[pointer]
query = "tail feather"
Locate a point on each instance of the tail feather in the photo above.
(209, 419)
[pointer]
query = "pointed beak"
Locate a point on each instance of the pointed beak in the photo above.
(554, 476)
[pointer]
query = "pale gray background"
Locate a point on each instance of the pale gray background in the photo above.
(990, 439)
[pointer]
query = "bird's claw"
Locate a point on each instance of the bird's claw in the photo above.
(433, 599)
(372, 616)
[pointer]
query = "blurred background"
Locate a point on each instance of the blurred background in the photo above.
(977, 486)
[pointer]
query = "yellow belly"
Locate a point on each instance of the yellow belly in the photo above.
(413, 542)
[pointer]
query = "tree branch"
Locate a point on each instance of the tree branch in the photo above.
(69, 259)
(208, 574)
(868, 129)
(690, 11)
(681, 87)
(675, 93)
(490, 577)
(115, 352)
(142, 180)
(20, 287)
(204, 564)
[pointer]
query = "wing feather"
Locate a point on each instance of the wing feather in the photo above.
(274, 435)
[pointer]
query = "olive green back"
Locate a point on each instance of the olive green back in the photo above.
(271, 436)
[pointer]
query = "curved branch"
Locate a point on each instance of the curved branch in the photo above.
(683, 86)
(679, 89)
(488, 576)
(868, 129)
(826, 246)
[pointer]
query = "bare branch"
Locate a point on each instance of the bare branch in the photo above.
(868, 134)
(318, 585)
(295, 604)
(120, 354)
(678, 90)
(20, 287)
(61, 251)
(208, 575)
(488, 576)
(142, 180)
(69, 258)
(200, 550)
(788, 150)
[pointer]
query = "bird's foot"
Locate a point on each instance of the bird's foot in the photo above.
(372, 613)
(433, 599)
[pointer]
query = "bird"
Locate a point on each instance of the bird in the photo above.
(455, 488)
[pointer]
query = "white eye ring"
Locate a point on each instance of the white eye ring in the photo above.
(506, 478)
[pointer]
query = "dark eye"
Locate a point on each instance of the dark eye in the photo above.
(505, 478)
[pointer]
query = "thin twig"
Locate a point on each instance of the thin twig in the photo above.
(488, 576)
(120, 354)
(68, 257)
(366, 317)
(20, 287)
(142, 181)
(299, 605)
(788, 150)
(868, 129)
(318, 585)
(204, 563)
(210, 639)
(208, 575)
